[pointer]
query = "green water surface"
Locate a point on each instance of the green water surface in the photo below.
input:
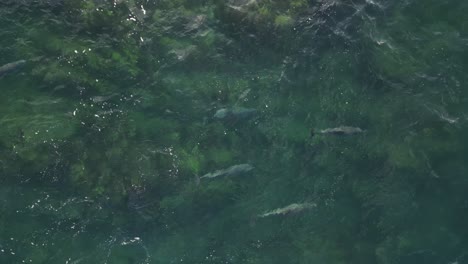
(108, 127)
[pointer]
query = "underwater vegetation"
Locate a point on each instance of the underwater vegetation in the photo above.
(238, 131)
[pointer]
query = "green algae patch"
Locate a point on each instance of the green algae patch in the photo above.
(283, 21)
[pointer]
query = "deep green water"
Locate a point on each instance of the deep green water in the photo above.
(105, 130)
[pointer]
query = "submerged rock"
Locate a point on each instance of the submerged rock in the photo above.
(184, 53)
(195, 23)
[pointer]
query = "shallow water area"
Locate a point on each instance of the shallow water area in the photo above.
(233, 131)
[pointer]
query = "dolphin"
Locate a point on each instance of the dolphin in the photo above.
(11, 67)
(292, 208)
(236, 113)
(341, 130)
(231, 171)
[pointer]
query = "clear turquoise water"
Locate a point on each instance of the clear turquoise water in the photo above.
(105, 130)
